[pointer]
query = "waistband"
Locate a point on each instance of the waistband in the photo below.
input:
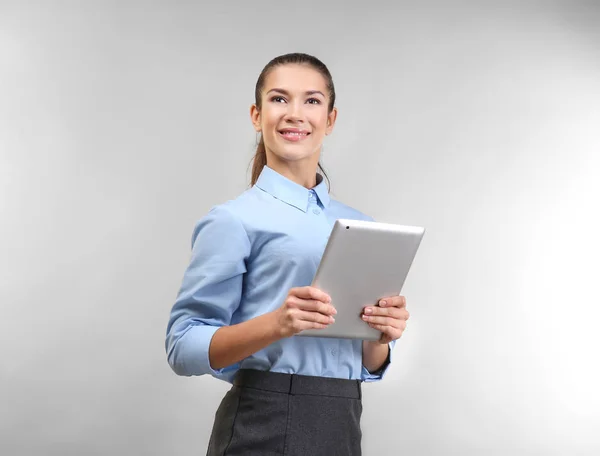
(298, 384)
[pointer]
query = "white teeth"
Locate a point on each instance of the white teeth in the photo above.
(294, 133)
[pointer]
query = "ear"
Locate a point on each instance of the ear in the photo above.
(255, 117)
(331, 118)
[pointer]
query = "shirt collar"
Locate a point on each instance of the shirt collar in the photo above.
(289, 191)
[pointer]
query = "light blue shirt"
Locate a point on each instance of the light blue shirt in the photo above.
(246, 255)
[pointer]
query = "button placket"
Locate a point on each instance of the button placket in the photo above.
(312, 200)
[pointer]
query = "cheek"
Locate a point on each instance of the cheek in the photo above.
(319, 122)
(270, 116)
(269, 120)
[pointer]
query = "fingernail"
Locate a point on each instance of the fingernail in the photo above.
(334, 311)
(365, 317)
(382, 302)
(332, 319)
(368, 310)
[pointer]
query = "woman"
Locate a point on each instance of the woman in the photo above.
(246, 291)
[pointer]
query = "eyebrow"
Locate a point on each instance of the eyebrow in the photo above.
(308, 92)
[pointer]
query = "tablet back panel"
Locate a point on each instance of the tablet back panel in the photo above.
(362, 263)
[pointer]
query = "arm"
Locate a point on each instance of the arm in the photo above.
(231, 344)
(304, 308)
(200, 339)
(374, 355)
(390, 318)
(210, 293)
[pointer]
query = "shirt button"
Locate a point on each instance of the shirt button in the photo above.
(316, 211)
(334, 352)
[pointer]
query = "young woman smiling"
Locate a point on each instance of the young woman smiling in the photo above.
(246, 291)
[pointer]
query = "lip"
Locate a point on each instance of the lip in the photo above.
(297, 134)
(294, 130)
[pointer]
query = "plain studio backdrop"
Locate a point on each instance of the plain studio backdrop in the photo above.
(122, 123)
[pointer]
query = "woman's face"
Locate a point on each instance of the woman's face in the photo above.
(294, 117)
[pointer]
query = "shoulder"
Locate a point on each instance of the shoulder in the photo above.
(235, 214)
(225, 218)
(342, 210)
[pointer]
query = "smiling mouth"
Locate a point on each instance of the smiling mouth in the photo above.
(294, 135)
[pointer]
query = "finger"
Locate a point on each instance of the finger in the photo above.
(387, 321)
(393, 301)
(304, 325)
(310, 305)
(383, 328)
(315, 317)
(392, 333)
(311, 293)
(401, 326)
(393, 312)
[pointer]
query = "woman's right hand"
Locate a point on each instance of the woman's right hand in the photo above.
(304, 308)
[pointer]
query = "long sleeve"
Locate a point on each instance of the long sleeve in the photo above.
(210, 293)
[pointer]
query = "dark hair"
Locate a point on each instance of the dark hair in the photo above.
(260, 157)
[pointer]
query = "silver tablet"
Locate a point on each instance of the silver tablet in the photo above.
(362, 263)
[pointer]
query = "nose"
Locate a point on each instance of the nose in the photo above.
(294, 112)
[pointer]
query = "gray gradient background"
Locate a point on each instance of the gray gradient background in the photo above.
(122, 123)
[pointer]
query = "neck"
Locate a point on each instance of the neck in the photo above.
(302, 172)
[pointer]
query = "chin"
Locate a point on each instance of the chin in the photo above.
(292, 157)
(294, 154)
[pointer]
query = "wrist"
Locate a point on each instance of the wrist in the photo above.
(375, 344)
(375, 355)
(274, 327)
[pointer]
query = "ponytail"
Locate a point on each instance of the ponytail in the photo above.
(259, 162)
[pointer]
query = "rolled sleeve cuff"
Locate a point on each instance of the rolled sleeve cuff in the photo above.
(367, 376)
(189, 355)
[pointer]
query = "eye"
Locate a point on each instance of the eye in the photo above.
(314, 101)
(276, 98)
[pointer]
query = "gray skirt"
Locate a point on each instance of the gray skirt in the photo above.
(268, 413)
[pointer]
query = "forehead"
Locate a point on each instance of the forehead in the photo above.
(293, 77)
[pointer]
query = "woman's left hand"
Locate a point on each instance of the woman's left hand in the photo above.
(389, 317)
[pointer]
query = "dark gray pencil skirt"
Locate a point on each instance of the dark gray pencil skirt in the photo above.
(268, 413)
